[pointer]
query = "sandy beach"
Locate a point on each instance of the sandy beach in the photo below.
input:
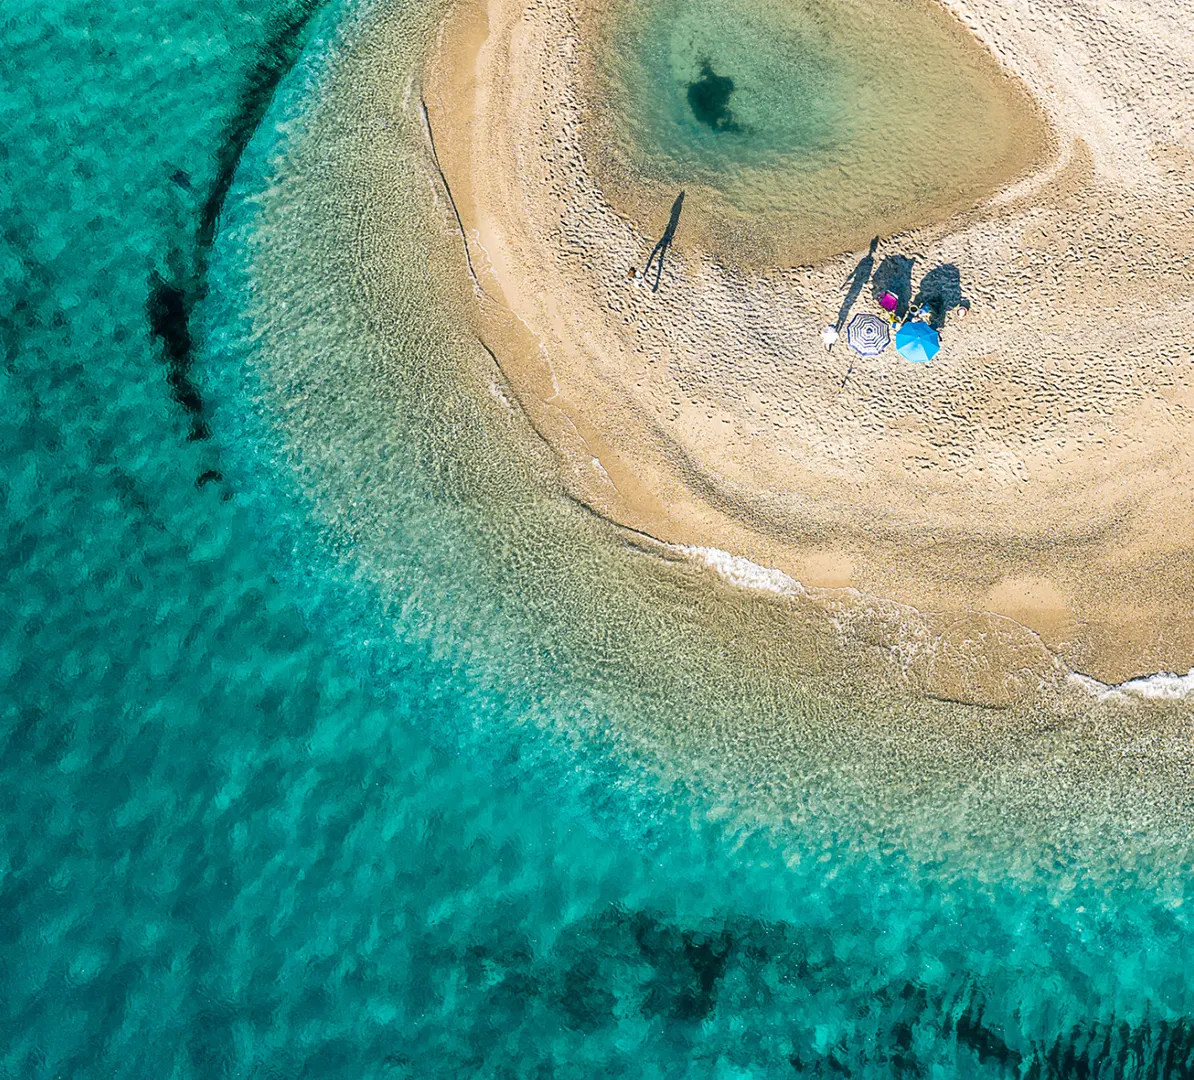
(1021, 507)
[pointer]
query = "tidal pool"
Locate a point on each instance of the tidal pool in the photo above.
(814, 125)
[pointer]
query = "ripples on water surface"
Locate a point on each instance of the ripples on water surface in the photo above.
(337, 743)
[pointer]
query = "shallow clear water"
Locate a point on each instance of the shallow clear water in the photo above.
(336, 746)
(787, 92)
(820, 122)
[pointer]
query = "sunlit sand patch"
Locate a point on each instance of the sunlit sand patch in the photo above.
(1036, 472)
(1036, 603)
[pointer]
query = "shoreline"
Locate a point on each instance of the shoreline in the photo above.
(982, 490)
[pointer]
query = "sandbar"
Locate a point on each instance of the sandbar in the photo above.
(1030, 489)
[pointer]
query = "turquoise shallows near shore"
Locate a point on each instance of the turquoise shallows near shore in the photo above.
(337, 743)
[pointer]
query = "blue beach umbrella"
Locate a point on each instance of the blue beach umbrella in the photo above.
(867, 335)
(917, 341)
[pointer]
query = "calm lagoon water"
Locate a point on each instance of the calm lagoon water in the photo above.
(336, 747)
(820, 122)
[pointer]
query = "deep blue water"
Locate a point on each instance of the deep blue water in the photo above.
(238, 842)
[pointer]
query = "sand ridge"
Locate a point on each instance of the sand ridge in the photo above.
(1038, 471)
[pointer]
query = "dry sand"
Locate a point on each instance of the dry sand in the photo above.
(1024, 505)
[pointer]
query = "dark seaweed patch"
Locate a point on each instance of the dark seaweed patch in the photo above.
(709, 99)
(277, 57)
(981, 1038)
(613, 964)
(168, 310)
(173, 298)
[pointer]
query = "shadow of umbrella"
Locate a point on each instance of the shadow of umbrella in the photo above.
(939, 293)
(895, 276)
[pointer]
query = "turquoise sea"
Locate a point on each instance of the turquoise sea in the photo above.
(338, 742)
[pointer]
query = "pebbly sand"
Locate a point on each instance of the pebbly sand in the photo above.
(1025, 503)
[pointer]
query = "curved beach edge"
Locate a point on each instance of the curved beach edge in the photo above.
(1034, 473)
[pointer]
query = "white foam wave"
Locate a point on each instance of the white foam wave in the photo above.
(742, 572)
(1163, 686)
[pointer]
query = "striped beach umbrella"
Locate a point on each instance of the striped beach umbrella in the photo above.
(867, 335)
(917, 341)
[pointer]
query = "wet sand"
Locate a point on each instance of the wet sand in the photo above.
(1021, 507)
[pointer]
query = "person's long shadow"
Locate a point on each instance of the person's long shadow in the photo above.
(857, 282)
(895, 276)
(940, 293)
(665, 242)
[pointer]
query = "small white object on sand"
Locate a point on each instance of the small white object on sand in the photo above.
(829, 336)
